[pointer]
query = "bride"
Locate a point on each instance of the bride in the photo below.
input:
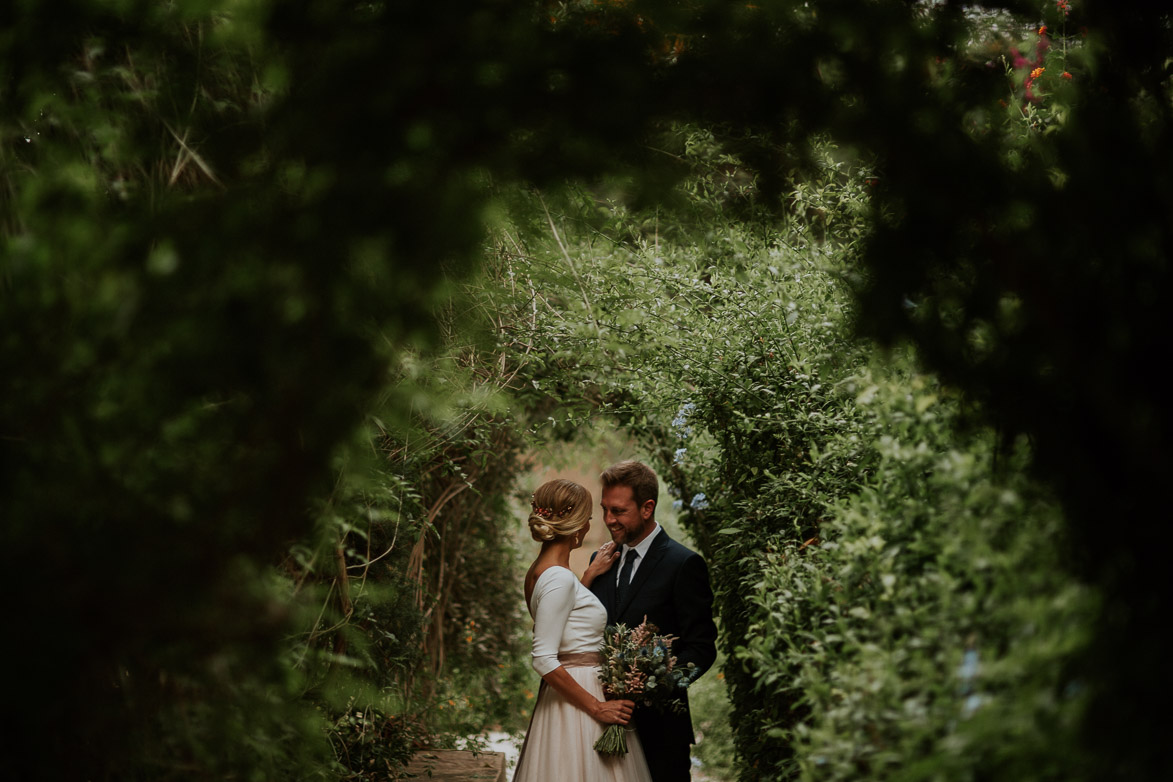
(571, 712)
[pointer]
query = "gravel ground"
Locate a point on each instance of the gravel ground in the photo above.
(510, 746)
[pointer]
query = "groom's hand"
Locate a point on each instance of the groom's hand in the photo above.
(601, 562)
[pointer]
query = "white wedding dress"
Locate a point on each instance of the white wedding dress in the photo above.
(559, 747)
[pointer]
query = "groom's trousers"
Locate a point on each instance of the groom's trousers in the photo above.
(667, 743)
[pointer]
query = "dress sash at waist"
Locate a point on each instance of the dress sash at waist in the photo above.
(580, 659)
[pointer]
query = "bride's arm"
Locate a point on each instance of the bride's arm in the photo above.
(606, 712)
(552, 601)
(601, 562)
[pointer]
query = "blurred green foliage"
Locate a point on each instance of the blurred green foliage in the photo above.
(238, 360)
(216, 261)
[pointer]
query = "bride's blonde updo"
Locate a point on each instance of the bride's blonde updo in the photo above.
(557, 509)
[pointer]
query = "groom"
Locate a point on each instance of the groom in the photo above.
(646, 573)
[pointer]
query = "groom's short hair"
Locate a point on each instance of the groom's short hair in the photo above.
(640, 478)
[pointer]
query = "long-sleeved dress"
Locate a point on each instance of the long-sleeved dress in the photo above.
(559, 747)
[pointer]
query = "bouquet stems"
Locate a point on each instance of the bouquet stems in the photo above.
(613, 741)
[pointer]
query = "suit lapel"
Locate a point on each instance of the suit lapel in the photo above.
(606, 595)
(655, 554)
(604, 589)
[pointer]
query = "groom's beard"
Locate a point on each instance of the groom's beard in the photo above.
(624, 535)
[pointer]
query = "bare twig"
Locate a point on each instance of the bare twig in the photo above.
(343, 581)
(570, 262)
(192, 155)
(366, 566)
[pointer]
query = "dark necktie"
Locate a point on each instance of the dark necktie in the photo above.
(625, 576)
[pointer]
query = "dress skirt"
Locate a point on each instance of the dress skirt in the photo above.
(559, 746)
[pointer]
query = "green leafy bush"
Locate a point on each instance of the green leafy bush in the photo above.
(932, 631)
(891, 583)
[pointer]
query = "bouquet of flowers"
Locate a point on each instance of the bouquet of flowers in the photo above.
(639, 665)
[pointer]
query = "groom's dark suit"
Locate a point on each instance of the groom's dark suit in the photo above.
(671, 588)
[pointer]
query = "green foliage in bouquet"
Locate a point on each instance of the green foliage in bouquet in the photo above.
(638, 665)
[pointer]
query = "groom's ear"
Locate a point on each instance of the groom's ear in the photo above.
(648, 509)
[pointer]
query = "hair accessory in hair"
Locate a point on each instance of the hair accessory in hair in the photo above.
(548, 513)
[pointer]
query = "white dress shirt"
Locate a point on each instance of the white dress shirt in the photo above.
(641, 548)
